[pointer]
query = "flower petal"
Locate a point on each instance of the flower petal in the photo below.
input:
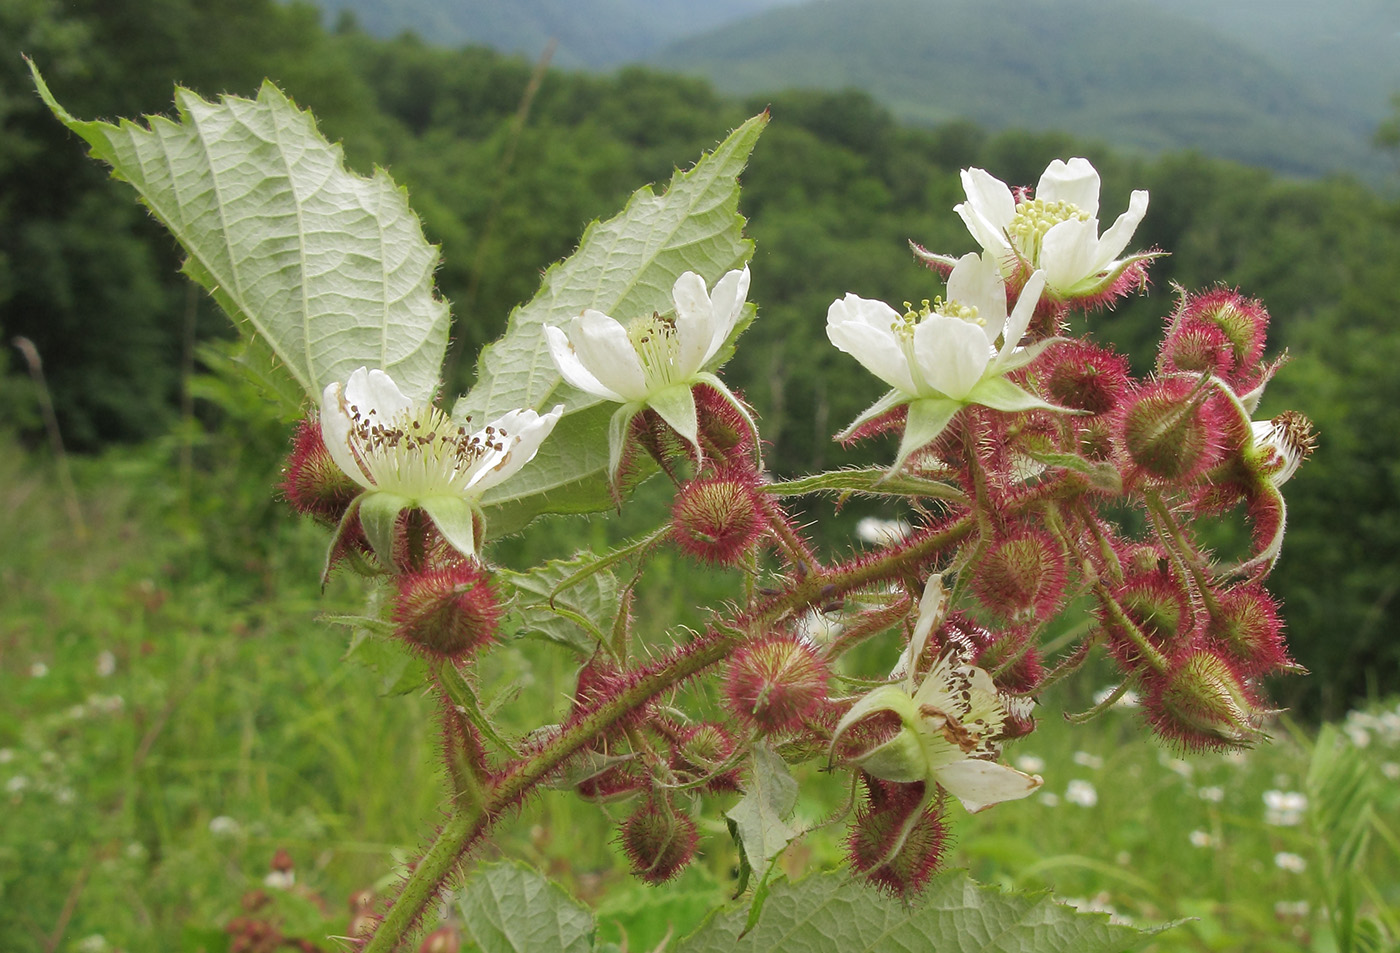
(1020, 319)
(727, 304)
(336, 427)
(1116, 238)
(1067, 253)
(951, 354)
(695, 323)
(863, 328)
(524, 431)
(976, 280)
(980, 784)
(603, 347)
(571, 368)
(990, 198)
(1075, 182)
(376, 391)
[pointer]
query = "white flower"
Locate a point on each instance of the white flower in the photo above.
(1282, 444)
(1284, 808)
(38, 670)
(1201, 839)
(1292, 863)
(224, 826)
(950, 725)
(1087, 760)
(280, 879)
(406, 454)
(947, 354)
(1213, 794)
(1082, 793)
(656, 359)
(1030, 763)
(106, 664)
(872, 529)
(1056, 231)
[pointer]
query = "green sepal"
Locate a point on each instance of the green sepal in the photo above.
(455, 519)
(928, 417)
(1096, 285)
(1020, 357)
(676, 406)
(618, 426)
(901, 759)
(999, 393)
(881, 407)
(379, 512)
(341, 529)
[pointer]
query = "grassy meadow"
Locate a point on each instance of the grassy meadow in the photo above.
(173, 713)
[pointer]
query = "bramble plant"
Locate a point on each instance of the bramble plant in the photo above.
(1024, 454)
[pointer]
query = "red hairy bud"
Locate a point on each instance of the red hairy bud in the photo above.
(1248, 629)
(776, 683)
(447, 613)
(1156, 605)
(717, 519)
(704, 748)
(658, 840)
(724, 433)
(1082, 376)
(1219, 331)
(313, 482)
(896, 841)
(1203, 702)
(1022, 576)
(1172, 429)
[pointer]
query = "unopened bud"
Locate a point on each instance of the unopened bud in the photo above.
(1172, 431)
(705, 748)
(716, 519)
(1220, 331)
(447, 613)
(896, 840)
(659, 840)
(313, 482)
(1156, 606)
(1083, 376)
(776, 683)
(1022, 575)
(1247, 627)
(1204, 703)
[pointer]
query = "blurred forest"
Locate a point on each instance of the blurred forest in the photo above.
(833, 192)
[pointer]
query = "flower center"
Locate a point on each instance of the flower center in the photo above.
(1035, 217)
(420, 452)
(654, 339)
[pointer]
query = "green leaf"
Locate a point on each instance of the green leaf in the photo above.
(511, 908)
(623, 267)
(760, 817)
(328, 270)
(373, 646)
(835, 912)
(594, 599)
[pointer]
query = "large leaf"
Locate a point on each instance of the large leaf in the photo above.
(576, 616)
(510, 908)
(624, 267)
(837, 912)
(761, 815)
(326, 269)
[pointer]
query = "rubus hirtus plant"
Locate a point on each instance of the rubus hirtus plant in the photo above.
(1020, 449)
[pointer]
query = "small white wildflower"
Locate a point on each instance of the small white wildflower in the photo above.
(1091, 761)
(77, 712)
(224, 826)
(106, 704)
(1289, 909)
(7, 755)
(38, 670)
(1177, 765)
(106, 664)
(65, 795)
(1082, 793)
(1050, 799)
(1358, 735)
(136, 851)
(95, 943)
(17, 784)
(881, 532)
(1030, 763)
(1235, 757)
(1214, 794)
(1129, 699)
(1201, 839)
(1391, 770)
(1099, 903)
(1284, 808)
(280, 879)
(1292, 863)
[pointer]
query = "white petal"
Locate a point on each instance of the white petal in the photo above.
(1116, 238)
(1021, 315)
(525, 430)
(605, 350)
(976, 280)
(695, 323)
(990, 198)
(1067, 252)
(1075, 182)
(991, 238)
(727, 304)
(980, 784)
(376, 390)
(863, 329)
(572, 369)
(336, 427)
(951, 354)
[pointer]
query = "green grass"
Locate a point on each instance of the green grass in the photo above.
(172, 713)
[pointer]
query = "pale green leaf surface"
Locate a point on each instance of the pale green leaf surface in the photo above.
(761, 815)
(328, 268)
(511, 908)
(624, 267)
(837, 912)
(595, 597)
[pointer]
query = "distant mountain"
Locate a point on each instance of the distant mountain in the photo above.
(590, 33)
(1125, 71)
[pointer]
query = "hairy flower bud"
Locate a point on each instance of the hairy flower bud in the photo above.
(313, 482)
(1172, 430)
(775, 683)
(1248, 629)
(703, 749)
(1219, 331)
(1156, 606)
(1022, 575)
(1083, 376)
(1202, 702)
(447, 613)
(717, 518)
(897, 838)
(659, 840)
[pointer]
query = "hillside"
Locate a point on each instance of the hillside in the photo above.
(1130, 75)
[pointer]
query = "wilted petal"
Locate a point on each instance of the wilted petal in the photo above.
(980, 784)
(863, 328)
